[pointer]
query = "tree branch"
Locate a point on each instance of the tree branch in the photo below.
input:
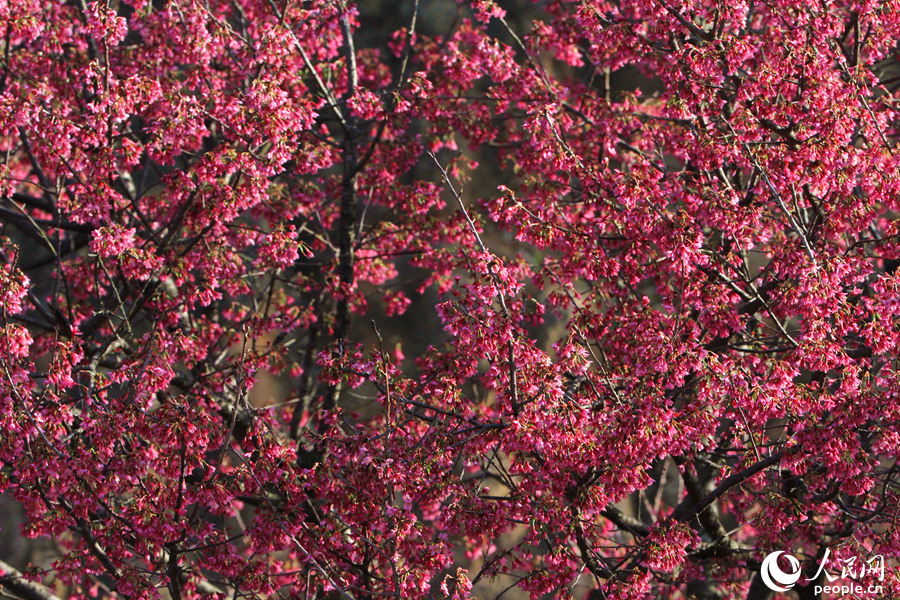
(684, 512)
(13, 580)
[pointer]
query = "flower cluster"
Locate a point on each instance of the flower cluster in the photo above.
(641, 259)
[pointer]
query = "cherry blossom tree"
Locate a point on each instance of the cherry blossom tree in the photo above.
(667, 342)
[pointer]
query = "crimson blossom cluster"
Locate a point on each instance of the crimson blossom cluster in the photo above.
(664, 347)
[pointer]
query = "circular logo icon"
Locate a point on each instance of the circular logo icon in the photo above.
(776, 579)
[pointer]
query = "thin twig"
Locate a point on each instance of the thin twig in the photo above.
(513, 377)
